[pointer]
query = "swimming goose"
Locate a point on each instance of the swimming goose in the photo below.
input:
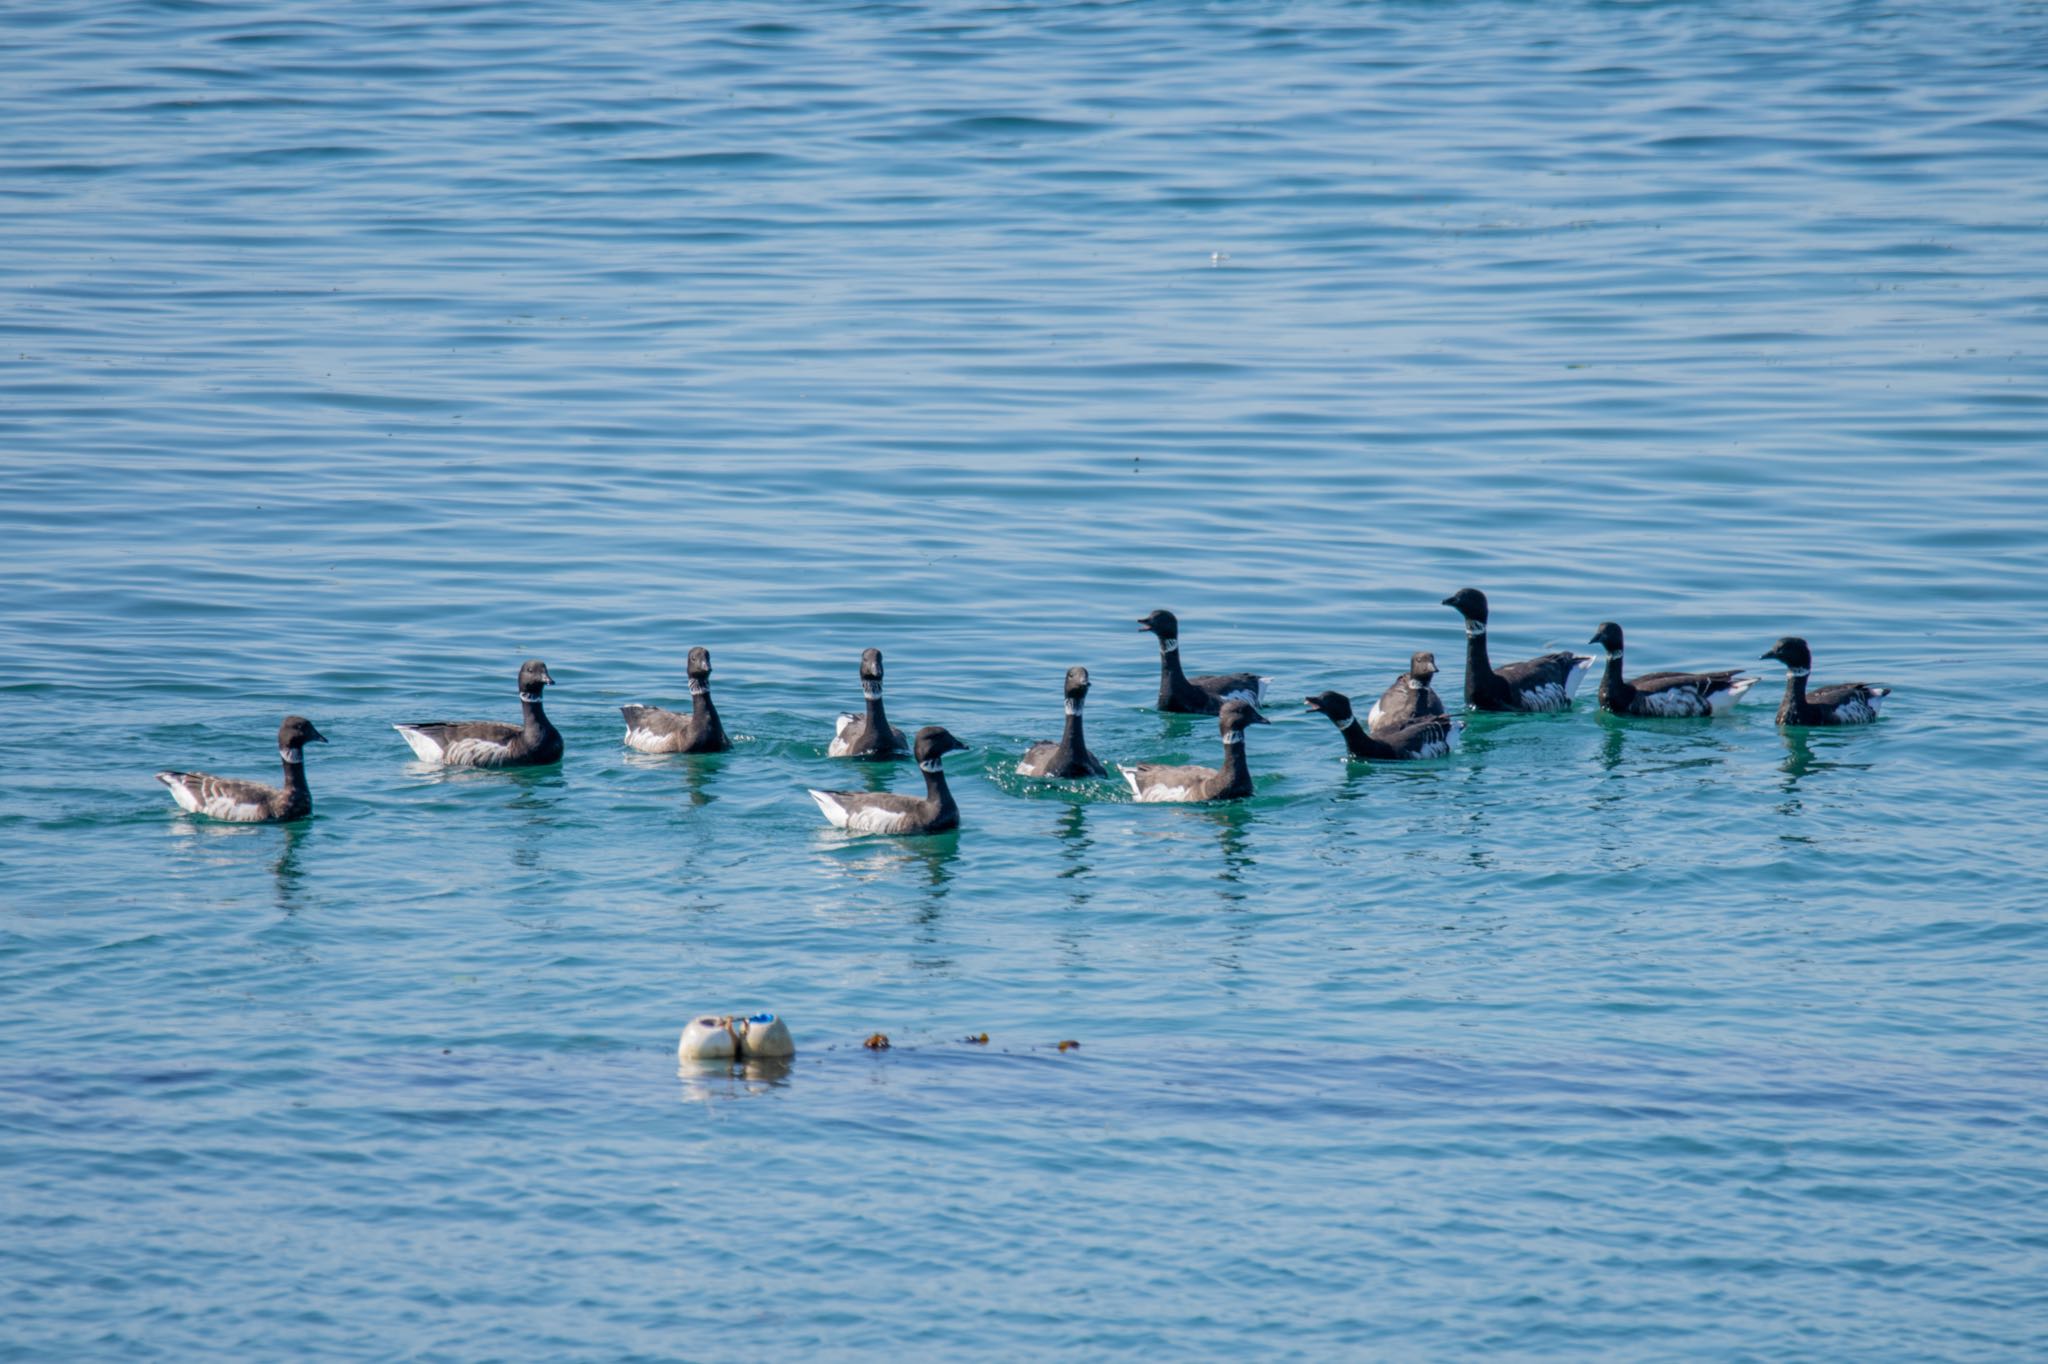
(1070, 756)
(1845, 703)
(1664, 695)
(1184, 695)
(1151, 782)
(650, 729)
(885, 812)
(1427, 736)
(1546, 683)
(869, 737)
(249, 802)
(487, 743)
(1409, 699)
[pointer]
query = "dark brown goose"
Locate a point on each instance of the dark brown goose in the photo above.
(1155, 782)
(1845, 703)
(885, 812)
(1545, 683)
(1428, 736)
(869, 736)
(1665, 696)
(249, 802)
(1183, 695)
(650, 729)
(1069, 757)
(1411, 698)
(534, 742)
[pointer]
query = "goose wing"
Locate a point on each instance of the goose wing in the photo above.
(1233, 686)
(870, 812)
(650, 729)
(461, 743)
(1155, 782)
(243, 802)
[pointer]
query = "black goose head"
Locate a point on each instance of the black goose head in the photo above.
(297, 731)
(700, 664)
(1468, 602)
(1334, 704)
(1608, 637)
(1162, 624)
(1792, 652)
(871, 667)
(533, 675)
(1238, 716)
(935, 740)
(1422, 667)
(1077, 684)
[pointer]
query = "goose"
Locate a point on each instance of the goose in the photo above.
(650, 729)
(1845, 703)
(487, 743)
(1070, 756)
(1152, 782)
(1427, 736)
(869, 737)
(886, 812)
(249, 802)
(1545, 683)
(1410, 698)
(1183, 695)
(1664, 695)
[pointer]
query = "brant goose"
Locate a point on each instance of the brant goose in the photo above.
(1536, 684)
(249, 802)
(1151, 782)
(1664, 695)
(650, 729)
(1427, 736)
(1845, 703)
(1408, 700)
(486, 743)
(1070, 756)
(869, 737)
(1184, 695)
(885, 812)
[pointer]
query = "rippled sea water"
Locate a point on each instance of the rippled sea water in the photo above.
(353, 354)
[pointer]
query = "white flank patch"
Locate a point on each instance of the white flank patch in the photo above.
(180, 792)
(1547, 697)
(1155, 794)
(424, 748)
(475, 753)
(1372, 717)
(647, 741)
(1671, 703)
(228, 808)
(1577, 675)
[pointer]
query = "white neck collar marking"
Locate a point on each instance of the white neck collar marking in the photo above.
(931, 767)
(1073, 706)
(291, 755)
(1169, 646)
(1235, 736)
(1799, 672)
(871, 690)
(532, 696)
(699, 688)
(1475, 627)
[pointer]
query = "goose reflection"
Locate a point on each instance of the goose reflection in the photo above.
(286, 874)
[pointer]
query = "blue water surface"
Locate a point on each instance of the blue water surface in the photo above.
(351, 354)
